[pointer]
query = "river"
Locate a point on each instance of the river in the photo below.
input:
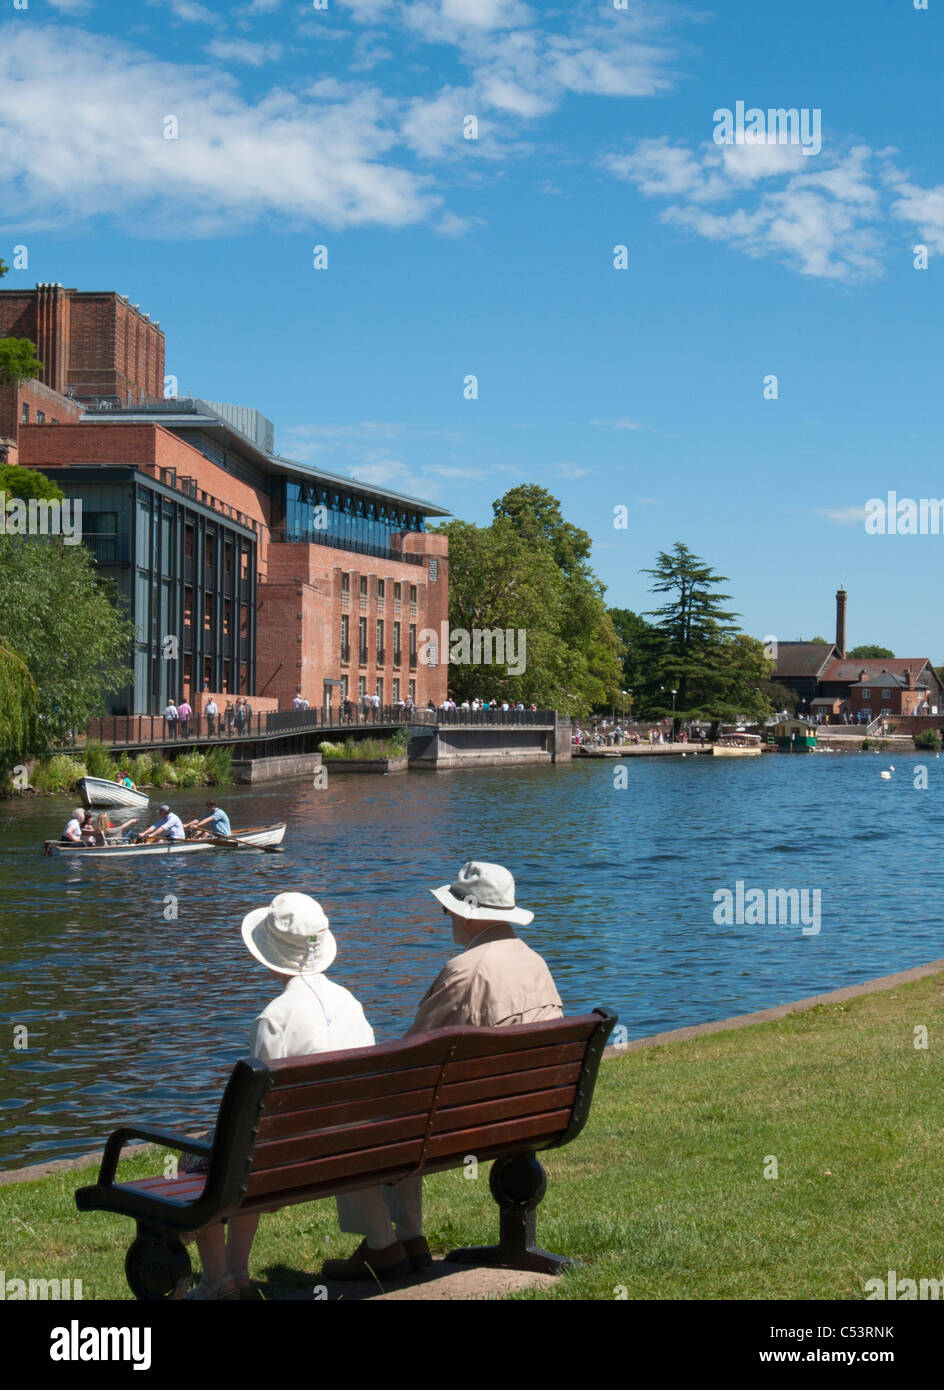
(131, 1013)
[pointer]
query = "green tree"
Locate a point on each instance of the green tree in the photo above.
(871, 653)
(3, 267)
(19, 727)
(18, 360)
(588, 670)
(28, 483)
(715, 670)
(644, 649)
(66, 626)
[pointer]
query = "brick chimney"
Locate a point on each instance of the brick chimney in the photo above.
(841, 621)
(909, 678)
(862, 674)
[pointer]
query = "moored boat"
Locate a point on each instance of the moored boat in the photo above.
(738, 743)
(257, 837)
(100, 792)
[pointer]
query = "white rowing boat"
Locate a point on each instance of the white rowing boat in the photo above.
(99, 792)
(258, 837)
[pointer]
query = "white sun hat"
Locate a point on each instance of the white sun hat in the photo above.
(291, 936)
(485, 892)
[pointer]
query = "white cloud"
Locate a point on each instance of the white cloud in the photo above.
(817, 214)
(570, 470)
(922, 208)
(83, 127)
(189, 11)
(843, 516)
(244, 51)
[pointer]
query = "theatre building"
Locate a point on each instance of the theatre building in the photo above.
(243, 572)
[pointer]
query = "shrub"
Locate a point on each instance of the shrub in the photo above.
(99, 762)
(190, 770)
(929, 739)
(59, 774)
(364, 748)
(142, 770)
(218, 766)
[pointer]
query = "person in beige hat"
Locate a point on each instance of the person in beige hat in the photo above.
(496, 980)
(292, 938)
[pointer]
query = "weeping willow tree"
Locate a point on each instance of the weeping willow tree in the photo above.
(19, 722)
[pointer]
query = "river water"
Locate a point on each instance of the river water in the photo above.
(130, 1014)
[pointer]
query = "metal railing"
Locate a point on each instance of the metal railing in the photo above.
(147, 730)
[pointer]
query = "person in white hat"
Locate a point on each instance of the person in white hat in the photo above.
(292, 938)
(495, 981)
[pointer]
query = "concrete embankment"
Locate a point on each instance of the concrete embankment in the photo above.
(255, 770)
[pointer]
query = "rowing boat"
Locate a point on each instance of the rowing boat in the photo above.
(100, 792)
(257, 837)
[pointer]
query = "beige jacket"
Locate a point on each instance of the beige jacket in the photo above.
(498, 980)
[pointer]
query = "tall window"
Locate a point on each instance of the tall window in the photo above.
(396, 644)
(345, 583)
(362, 685)
(381, 590)
(344, 687)
(363, 586)
(380, 640)
(345, 637)
(380, 688)
(24, 414)
(396, 690)
(413, 645)
(413, 691)
(362, 641)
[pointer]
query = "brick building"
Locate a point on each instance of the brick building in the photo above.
(247, 573)
(829, 684)
(95, 348)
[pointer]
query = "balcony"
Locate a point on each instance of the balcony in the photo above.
(345, 653)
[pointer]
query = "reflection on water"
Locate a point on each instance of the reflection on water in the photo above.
(133, 1014)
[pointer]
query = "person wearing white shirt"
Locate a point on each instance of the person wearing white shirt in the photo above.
(73, 832)
(168, 826)
(292, 938)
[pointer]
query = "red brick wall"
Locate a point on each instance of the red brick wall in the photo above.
(38, 397)
(95, 342)
(300, 608)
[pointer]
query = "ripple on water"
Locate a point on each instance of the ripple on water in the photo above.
(133, 1015)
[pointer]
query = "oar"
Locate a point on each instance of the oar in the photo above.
(244, 844)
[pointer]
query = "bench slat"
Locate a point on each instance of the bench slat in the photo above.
(325, 1116)
(514, 1132)
(281, 1153)
(287, 1099)
(507, 1084)
(182, 1189)
(375, 1164)
(531, 1058)
(495, 1041)
(290, 1071)
(461, 1116)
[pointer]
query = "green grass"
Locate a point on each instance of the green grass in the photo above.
(664, 1193)
(365, 748)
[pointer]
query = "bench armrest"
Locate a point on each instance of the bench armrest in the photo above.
(169, 1138)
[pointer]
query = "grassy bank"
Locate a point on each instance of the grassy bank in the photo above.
(664, 1194)
(352, 749)
(61, 772)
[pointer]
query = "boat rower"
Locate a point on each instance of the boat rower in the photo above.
(214, 823)
(168, 826)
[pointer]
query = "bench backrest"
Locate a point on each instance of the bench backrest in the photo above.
(306, 1127)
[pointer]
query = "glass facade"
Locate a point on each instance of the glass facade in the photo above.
(348, 521)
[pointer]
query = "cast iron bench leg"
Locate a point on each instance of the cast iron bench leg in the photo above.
(157, 1265)
(517, 1184)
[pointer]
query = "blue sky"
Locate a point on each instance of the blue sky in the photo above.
(447, 257)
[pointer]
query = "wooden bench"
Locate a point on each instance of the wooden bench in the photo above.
(307, 1127)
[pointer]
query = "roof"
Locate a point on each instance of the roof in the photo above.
(802, 658)
(196, 414)
(888, 678)
(850, 669)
